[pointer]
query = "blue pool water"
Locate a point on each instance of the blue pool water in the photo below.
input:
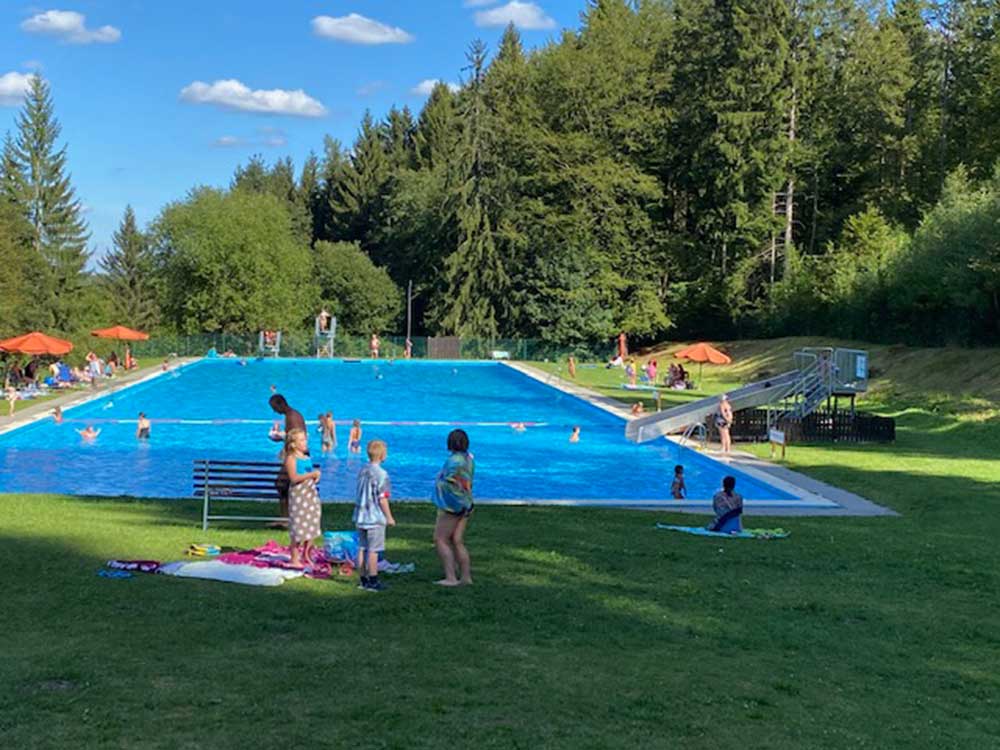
(218, 409)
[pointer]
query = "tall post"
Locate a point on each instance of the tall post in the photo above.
(409, 308)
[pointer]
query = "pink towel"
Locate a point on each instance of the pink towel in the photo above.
(274, 555)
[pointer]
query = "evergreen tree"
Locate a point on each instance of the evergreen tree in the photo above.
(360, 194)
(399, 146)
(128, 275)
(13, 187)
(437, 129)
(475, 275)
(15, 277)
(309, 194)
(58, 232)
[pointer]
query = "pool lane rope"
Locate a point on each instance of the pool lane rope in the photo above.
(344, 422)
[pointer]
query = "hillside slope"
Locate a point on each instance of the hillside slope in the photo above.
(949, 378)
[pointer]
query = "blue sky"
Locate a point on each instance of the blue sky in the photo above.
(156, 96)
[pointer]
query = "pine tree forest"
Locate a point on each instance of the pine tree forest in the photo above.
(671, 168)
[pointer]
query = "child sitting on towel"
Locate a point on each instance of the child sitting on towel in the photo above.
(728, 507)
(372, 514)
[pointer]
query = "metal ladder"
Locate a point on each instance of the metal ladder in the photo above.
(692, 428)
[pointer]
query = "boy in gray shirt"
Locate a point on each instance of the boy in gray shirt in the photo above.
(372, 514)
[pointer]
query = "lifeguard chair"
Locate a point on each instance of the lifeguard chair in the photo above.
(269, 342)
(325, 334)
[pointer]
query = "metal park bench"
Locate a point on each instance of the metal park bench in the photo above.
(235, 480)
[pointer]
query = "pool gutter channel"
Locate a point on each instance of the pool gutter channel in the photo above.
(813, 498)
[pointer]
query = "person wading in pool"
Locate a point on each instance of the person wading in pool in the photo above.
(293, 421)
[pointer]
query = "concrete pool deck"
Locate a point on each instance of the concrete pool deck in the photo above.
(42, 409)
(815, 498)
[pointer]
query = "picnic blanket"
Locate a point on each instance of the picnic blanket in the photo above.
(217, 570)
(745, 534)
(278, 556)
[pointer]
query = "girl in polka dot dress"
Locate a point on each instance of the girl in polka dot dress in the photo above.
(304, 512)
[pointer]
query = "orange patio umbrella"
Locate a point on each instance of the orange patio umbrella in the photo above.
(701, 353)
(120, 333)
(36, 343)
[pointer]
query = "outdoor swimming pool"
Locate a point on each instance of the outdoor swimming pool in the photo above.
(218, 409)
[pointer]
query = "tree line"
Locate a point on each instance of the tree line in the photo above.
(677, 168)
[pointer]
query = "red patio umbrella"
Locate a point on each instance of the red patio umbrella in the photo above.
(701, 353)
(36, 343)
(120, 333)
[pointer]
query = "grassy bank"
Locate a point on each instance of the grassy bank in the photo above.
(585, 629)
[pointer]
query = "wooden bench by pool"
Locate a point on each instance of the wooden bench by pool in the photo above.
(235, 480)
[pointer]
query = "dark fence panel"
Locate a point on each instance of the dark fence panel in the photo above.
(822, 426)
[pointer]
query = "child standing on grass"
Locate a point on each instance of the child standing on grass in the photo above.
(354, 439)
(304, 510)
(677, 488)
(453, 498)
(372, 514)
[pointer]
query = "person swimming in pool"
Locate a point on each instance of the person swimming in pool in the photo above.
(89, 434)
(142, 427)
(354, 438)
(574, 436)
(276, 434)
(328, 433)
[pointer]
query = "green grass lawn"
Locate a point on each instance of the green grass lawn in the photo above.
(585, 629)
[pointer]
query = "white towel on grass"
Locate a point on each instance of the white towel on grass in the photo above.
(216, 570)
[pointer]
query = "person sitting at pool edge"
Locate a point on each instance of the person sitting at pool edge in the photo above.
(728, 507)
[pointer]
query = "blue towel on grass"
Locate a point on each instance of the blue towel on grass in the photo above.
(745, 534)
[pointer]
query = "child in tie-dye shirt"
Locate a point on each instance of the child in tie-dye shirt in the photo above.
(453, 498)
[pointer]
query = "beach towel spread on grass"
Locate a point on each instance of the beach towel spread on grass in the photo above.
(215, 570)
(745, 534)
(277, 556)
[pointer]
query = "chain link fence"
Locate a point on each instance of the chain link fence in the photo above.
(304, 344)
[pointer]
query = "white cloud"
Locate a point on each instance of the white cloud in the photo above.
(32, 65)
(229, 141)
(71, 27)
(269, 137)
(13, 87)
(523, 15)
(478, 3)
(233, 94)
(372, 87)
(357, 29)
(426, 86)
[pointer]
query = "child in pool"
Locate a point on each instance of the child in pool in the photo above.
(142, 428)
(89, 433)
(354, 439)
(276, 434)
(328, 433)
(678, 490)
(575, 435)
